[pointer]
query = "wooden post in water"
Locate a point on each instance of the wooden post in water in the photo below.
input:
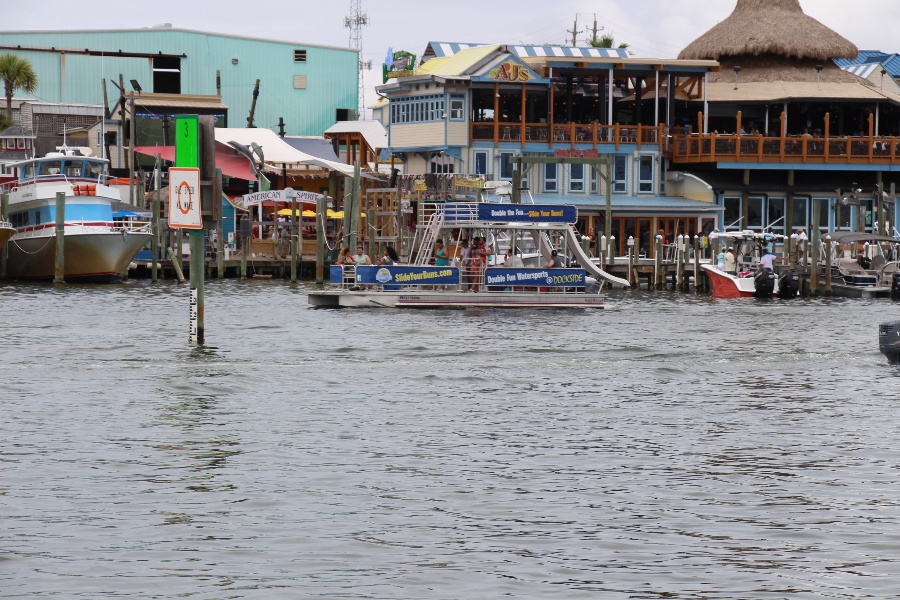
(294, 239)
(59, 270)
(679, 262)
(630, 246)
(603, 246)
(813, 248)
(320, 239)
(880, 210)
(697, 264)
(220, 224)
(659, 274)
(827, 265)
(196, 241)
(245, 249)
(176, 264)
(610, 249)
(154, 224)
(4, 211)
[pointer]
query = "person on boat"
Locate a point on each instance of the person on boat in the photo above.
(864, 261)
(555, 261)
(390, 257)
(730, 261)
(361, 258)
(345, 258)
(441, 258)
(720, 260)
(476, 265)
(512, 260)
(464, 263)
(767, 260)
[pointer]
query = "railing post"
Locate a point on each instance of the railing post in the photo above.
(60, 265)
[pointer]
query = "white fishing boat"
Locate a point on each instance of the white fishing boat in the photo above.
(489, 281)
(96, 248)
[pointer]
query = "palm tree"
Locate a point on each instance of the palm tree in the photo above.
(606, 41)
(17, 74)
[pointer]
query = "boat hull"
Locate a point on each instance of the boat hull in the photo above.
(450, 299)
(729, 286)
(5, 234)
(91, 255)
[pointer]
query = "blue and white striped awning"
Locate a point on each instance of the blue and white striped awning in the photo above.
(442, 49)
(863, 70)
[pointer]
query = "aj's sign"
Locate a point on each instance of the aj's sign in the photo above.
(510, 71)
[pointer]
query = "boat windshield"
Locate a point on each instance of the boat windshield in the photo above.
(93, 170)
(49, 167)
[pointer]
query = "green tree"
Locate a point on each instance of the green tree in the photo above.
(606, 41)
(4, 122)
(17, 74)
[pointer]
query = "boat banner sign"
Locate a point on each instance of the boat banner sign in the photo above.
(396, 275)
(527, 213)
(248, 200)
(535, 277)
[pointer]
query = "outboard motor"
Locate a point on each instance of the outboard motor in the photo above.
(895, 286)
(764, 283)
(889, 341)
(788, 284)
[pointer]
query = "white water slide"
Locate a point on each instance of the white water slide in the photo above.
(574, 246)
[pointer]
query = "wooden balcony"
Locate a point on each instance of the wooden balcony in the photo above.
(712, 148)
(565, 135)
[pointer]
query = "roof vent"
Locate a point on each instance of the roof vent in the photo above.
(162, 26)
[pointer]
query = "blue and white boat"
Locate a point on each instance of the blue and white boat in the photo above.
(495, 280)
(96, 248)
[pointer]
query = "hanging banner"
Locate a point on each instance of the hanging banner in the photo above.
(527, 213)
(248, 200)
(535, 277)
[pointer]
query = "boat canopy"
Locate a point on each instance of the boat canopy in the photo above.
(853, 237)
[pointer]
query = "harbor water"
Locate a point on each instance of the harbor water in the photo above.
(672, 446)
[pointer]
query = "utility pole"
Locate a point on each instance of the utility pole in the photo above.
(253, 104)
(595, 30)
(574, 31)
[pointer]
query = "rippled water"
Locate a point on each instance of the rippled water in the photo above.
(670, 447)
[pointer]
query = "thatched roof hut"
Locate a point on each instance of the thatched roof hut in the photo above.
(771, 41)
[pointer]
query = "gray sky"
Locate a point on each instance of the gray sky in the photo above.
(652, 28)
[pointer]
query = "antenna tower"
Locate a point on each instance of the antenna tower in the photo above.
(354, 23)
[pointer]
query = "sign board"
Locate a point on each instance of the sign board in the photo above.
(527, 213)
(248, 200)
(406, 275)
(187, 141)
(535, 277)
(184, 198)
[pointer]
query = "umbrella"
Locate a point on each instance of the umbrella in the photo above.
(285, 212)
(335, 214)
(308, 213)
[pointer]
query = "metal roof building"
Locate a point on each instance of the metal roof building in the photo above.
(309, 86)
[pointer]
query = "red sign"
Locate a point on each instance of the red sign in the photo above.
(576, 154)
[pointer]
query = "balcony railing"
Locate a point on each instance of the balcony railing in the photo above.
(706, 148)
(565, 134)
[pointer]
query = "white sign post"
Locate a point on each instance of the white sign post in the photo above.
(184, 198)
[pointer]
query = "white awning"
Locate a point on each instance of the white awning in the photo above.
(276, 151)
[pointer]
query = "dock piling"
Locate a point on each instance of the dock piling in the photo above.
(59, 270)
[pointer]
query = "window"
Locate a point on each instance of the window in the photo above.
(619, 170)
(550, 175)
(732, 213)
(20, 143)
(167, 75)
(594, 176)
(481, 159)
(299, 82)
(417, 109)
(299, 55)
(645, 174)
(776, 215)
(801, 213)
(506, 165)
(755, 213)
(576, 178)
(457, 108)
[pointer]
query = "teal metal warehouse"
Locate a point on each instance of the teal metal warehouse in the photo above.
(308, 86)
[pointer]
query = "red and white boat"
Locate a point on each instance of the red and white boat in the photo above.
(750, 281)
